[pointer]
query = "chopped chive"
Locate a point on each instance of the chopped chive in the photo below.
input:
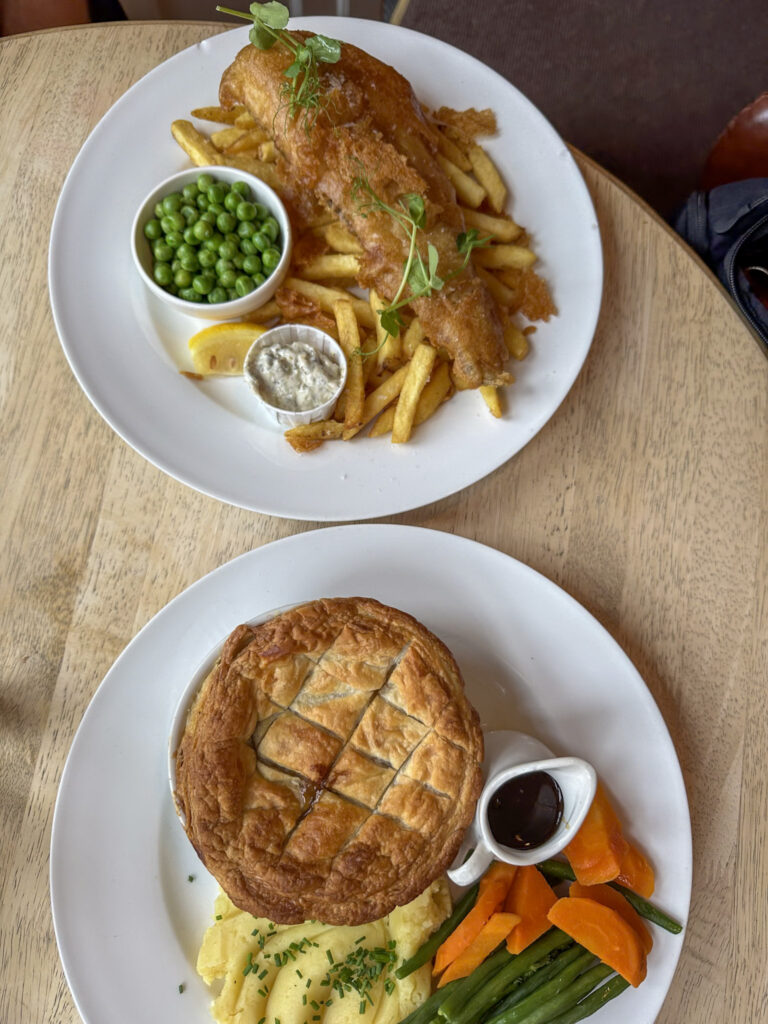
(304, 999)
(362, 1006)
(263, 974)
(182, 986)
(314, 1005)
(190, 878)
(218, 917)
(329, 954)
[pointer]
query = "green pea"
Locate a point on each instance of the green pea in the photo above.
(246, 211)
(202, 284)
(232, 237)
(202, 229)
(231, 199)
(190, 263)
(243, 285)
(167, 224)
(189, 235)
(252, 265)
(172, 202)
(182, 278)
(270, 258)
(174, 239)
(238, 259)
(201, 202)
(204, 182)
(226, 222)
(261, 211)
(190, 214)
(175, 265)
(190, 295)
(217, 192)
(159, 211)
(218, 294)
(247, 247)
(228, 250)
(271, 228)
(178, 220)
(261, 241)
(228, 277)
(231, 294)
(208, 217)
(222, 265)
(216, 208)
(207, 258)
(162, 251)
(163, 274)
(190, 192)
(245, 228)
(214, 242)
(258, 279)
(242, 188)
(185, 250)
(153, 229)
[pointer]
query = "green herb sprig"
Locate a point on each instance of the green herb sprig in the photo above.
(420, 274)
(302, 91)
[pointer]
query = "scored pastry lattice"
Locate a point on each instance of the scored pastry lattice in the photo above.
(331, 763)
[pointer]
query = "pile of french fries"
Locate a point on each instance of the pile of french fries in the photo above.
(395, 382)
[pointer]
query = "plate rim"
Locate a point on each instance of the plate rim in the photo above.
(287, 509)
(390, 530)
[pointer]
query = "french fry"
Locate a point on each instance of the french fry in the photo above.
(267, 151)
(489, 177)
(499, 256)
(244, 119)
(325, 297)
(380, 399)
(218, 114)
(452, 152)
(340, 239)
(468, 190)
(436, 391)
(334, 264)
(389, 346)
(226, 137)
(197, 146)
(491, 396)
(353, 395)
(503, 229)
(503, 295)
(419, 370)
(412, 338)
(247, 162)
(249, 140)
(308, 436)
(515, 340)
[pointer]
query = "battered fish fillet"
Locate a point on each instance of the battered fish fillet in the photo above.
(371, 122)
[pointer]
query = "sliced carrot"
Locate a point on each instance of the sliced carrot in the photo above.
(636, 873)
(596, 851)
(493, 932)
(530, 896)
(604, 933)
(494, 886)
(610, 897)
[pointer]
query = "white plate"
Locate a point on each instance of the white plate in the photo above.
(126, 350)
(128, 923)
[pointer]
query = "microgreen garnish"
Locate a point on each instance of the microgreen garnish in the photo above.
(420, 275)
(302, 91)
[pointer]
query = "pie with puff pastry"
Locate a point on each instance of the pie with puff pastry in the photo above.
(330, 763)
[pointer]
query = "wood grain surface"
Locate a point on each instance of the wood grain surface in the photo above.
(645, 497)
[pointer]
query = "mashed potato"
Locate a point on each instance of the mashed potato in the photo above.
(296, 974)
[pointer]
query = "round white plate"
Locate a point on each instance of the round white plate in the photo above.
(126, 349)
(129, 923)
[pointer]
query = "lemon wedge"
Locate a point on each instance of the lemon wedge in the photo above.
(222, 349)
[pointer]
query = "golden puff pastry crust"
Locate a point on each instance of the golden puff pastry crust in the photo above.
(330, 763)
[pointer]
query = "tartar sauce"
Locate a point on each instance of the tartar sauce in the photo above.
(296, 376)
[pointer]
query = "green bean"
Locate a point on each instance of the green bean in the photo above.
(567, 998)
(559, 981)
(560, 871)
(428, 949)
(602, 995)
(423, 1014)
(474, 982)
(539, 974)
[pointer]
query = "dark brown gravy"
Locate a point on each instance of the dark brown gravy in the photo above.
(525, 811)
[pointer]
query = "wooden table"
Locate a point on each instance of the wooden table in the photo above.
(645, 497)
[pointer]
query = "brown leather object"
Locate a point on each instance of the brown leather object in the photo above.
(741, 151)
(330, 764)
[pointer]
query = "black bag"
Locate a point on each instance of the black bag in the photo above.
(728, 228)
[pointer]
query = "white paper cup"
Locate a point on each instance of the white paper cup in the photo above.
(289, 334)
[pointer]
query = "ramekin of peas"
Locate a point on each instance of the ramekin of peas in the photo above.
(214, 242)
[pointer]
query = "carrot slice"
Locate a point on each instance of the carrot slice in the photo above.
(604, 933)
(610, 897)
(596, 851)
(494, 931)
(530, 896)
(636, 873)
(494, 886)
